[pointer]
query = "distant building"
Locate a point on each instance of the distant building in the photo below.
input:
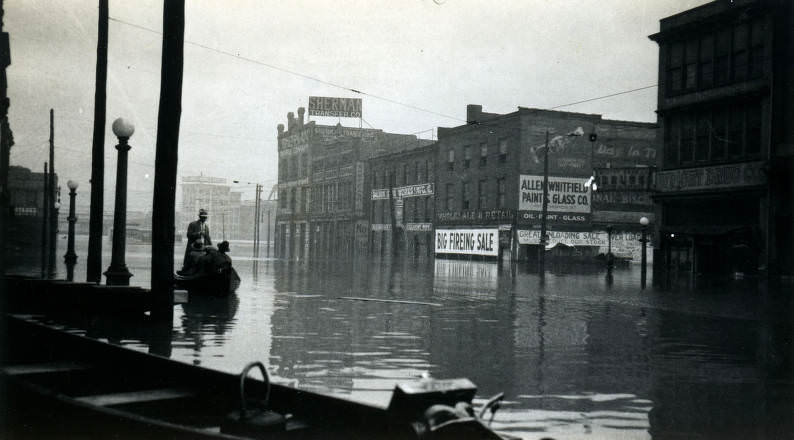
(489, 181)
(726, 104)
(322, 204)
(215, 195)
(26, 217)
(410, 176)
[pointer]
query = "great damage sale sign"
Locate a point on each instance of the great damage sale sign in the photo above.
(468, 241)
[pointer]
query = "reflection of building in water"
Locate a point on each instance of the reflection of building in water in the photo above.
(458, 278)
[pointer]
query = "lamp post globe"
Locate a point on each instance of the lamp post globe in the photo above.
(72, 185)
(644, 221)
(122, 128)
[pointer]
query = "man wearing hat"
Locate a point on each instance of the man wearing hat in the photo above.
(197, 230)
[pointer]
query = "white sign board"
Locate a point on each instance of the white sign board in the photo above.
(468, 241)
(566, 194)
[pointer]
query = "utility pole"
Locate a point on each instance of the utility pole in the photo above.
(267, 251)
(392, 215)
(94, 257)
(166, 158)
(544, 210)
(257, 206)
(45, 202)
(52, 208)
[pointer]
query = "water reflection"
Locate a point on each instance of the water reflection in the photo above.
(577, 352)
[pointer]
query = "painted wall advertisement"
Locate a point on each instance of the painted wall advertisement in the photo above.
(468, 241)
(568, 199)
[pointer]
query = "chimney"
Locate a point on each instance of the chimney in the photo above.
(473, 113)
(290, 121)
(301, 111)
(280, 128)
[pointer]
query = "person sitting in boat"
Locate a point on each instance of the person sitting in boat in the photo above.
(215, 260)
(193, 259)
(197, 230)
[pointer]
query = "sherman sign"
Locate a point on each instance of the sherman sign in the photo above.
(716, 177)
(468, 241)
(337, 107)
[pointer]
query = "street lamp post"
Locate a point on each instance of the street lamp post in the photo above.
(71, 257)
(610, 259)
(117, 274)
(643, 257)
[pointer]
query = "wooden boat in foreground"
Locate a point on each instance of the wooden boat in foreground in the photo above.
(65, 385)
(217, 284)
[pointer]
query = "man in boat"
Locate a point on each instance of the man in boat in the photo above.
(215, 260)
(194, 258)
(197, 230)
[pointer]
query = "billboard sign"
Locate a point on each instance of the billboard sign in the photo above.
(568, 199)
(483, 242)
(336, 107)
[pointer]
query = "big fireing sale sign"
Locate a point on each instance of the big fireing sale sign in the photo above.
(468, 241)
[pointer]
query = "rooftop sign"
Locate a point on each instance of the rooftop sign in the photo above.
(337, 107)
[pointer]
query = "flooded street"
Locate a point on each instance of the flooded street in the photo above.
(576, 355)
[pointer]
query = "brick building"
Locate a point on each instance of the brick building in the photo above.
(726, 107)
(323, 201)
(409, 209)
(490, 175)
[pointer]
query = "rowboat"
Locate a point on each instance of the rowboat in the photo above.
(62, 384)
(222, 283)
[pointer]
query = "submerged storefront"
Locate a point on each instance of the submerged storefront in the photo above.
(711, 220)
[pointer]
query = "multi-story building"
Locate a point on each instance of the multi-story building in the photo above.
(409, 210)
(322, 202)
(26, 217)
(723, 189)
(489, 179)
(215, 195)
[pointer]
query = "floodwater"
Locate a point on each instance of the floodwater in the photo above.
(577, 355)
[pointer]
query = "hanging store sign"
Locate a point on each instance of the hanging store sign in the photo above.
(336, 107)
(419, 227)
(716, 177)
(422, 189)
(483, 242)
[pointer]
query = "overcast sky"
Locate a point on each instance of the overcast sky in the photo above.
(438, 57)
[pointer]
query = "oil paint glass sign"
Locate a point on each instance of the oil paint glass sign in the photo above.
(566, 194)
(337, 107)
(468, 241)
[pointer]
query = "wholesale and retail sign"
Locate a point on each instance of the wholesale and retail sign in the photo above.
(483, 242)
(336, 107)
(569, 199)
